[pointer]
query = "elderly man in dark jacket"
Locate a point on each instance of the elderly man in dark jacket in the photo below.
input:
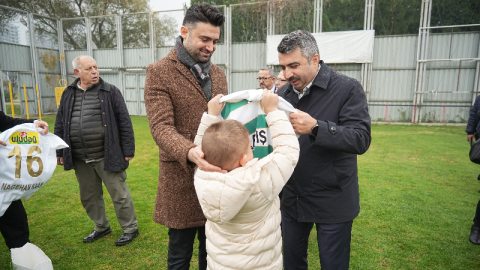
(14, 222)
(93, 120)
(334, 125)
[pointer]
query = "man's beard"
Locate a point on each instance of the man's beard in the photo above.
(195, 54)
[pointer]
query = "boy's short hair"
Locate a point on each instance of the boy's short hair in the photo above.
(224, 143)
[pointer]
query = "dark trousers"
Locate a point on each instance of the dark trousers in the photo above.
(14, 225)
(180, 248)
(333, 244)
(476, 219)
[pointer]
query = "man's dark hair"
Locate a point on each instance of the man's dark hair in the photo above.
(203, 12)
(299, 39)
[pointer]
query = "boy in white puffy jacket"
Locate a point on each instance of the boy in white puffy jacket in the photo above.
(242, 206)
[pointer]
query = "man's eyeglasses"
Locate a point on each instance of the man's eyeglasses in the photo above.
(264, 79)
(282, 80)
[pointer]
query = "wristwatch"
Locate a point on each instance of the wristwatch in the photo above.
(314, 130)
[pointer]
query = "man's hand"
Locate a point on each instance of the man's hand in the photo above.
(269, 101)
(470, 138)
(3, 143)
(42, 124)
(196, 155)
(60, 161)
(214, 105)
(302, 122)
(128, 158)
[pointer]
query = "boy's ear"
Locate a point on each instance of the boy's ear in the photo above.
(243, 160)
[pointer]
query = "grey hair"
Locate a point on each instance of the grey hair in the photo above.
(301, 39)
(270, 71)
(76, 62)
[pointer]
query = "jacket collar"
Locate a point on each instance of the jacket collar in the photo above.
(323, 77)
(101, 84)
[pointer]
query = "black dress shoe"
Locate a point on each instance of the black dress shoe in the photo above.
(95, 235)
(474, 235)
(126, 238)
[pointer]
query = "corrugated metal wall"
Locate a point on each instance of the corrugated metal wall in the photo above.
(15, 57)
(393, 78)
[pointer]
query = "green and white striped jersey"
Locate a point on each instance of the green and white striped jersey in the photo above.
(244, 106)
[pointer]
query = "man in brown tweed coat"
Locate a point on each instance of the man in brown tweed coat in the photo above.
(177, 90)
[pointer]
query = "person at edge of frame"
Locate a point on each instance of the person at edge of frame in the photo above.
(177, 90)
(14, 222)
(334, 126)
(473, 132)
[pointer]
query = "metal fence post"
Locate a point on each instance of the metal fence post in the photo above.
(229, 48)
(89, 37)
(153, 45)
(318, 16)
(118, 19)
(33, 53)
(61, 50)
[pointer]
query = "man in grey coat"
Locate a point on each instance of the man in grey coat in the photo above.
(334, 125)
(93, 120)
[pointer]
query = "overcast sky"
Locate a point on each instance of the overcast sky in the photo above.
(158, 5)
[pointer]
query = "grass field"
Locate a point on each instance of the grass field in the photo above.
(418, 193)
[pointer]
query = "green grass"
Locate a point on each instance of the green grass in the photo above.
(17, 109)
(418, 193)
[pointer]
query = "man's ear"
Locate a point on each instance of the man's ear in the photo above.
(76, 71)
(315, 60)
(243, 160)
(184, 32)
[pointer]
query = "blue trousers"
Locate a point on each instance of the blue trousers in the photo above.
(333, 244)
(180, 248)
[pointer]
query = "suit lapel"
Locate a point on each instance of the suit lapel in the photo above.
(186, 73)
(215, 84)
(189, 76)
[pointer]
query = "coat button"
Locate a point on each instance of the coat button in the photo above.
(332, 128)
